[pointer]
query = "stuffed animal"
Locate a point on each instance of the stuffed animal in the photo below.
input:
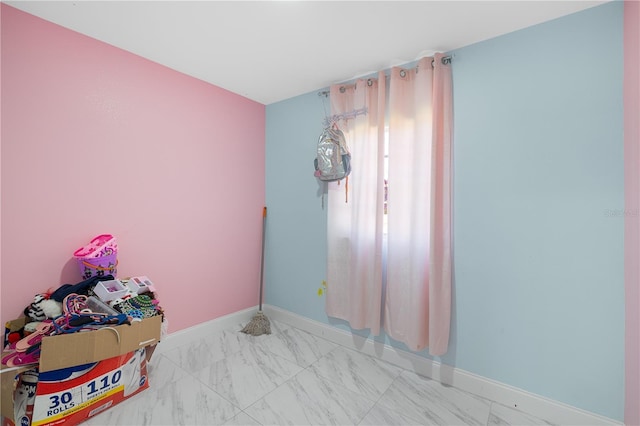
(43, 308)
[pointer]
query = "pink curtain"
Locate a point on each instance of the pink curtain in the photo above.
(417, 266)
(354, 230)
(418, 294)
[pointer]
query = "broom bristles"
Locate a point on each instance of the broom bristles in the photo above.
(258, 325)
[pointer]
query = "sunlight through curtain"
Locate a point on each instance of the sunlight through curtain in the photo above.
(417, 301)
(354, 231)
(418, 295)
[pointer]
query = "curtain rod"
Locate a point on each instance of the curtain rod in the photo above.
(328, 121)
(446, 60)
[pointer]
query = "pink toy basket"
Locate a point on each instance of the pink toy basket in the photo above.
(101, 245)
(98, 266)
(98, 258)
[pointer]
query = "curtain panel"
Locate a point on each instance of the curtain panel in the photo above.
(412, 265)
(354, 230)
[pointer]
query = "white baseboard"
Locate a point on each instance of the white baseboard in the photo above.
(536, 405)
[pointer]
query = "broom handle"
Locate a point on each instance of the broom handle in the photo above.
(264, 220)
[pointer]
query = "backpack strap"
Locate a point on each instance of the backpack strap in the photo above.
(346, 189)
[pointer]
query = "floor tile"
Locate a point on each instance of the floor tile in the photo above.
(206, 348)
(196, 355)
(381, 416)
(432, 403)
(503, 415)
(162, 371)
(356, 371)
(186, 402)
(248, 375)
(242, 419)
(297, 346)
(291, 377)
(225, 343)
(309, 400)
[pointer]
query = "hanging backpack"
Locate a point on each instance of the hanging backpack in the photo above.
(333, 160)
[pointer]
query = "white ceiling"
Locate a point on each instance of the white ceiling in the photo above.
(273, 50)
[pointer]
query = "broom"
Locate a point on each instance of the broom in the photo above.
(259, 324)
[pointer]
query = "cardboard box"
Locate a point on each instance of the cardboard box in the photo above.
(72, 395)
(70, 350)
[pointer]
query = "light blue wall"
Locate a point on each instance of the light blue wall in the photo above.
(539, 167)
(538, 291)
(295, 248)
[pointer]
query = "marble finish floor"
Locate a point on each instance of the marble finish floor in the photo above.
(292, 377)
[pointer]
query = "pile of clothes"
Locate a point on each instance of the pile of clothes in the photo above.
(75, 308)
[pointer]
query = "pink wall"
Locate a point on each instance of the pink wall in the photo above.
(98, 140)
(632, 209)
